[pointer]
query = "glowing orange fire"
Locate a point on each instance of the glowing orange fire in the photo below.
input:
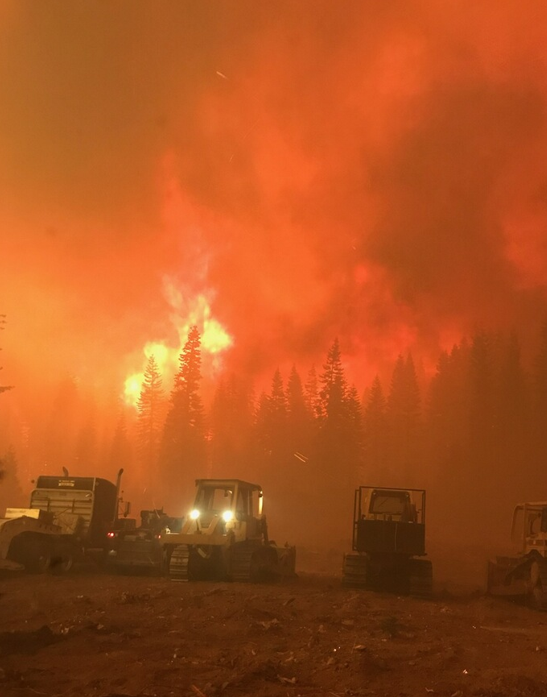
(214, 340)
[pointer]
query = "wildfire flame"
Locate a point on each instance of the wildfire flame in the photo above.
(214, 340)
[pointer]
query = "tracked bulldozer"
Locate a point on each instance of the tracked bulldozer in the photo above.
(225, 537)
(388, 542)
(523, 576)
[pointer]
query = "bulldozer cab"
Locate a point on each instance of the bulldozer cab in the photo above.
(389, 521)
(229, 503)
(529, 528)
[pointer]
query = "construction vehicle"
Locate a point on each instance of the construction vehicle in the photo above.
(523, 576)
(225, 537)
(140, 548)
(67, 519)
(388, 541)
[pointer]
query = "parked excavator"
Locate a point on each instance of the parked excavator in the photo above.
(388, 542)
(523, 576)
(225, 537)
(67, 519)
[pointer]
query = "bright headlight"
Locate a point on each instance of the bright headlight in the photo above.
(194, 515)
(227, 516)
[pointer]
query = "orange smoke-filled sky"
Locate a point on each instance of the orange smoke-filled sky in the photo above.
(375, 171)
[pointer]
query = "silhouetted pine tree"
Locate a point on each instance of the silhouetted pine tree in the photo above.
(404, 423)
(300, 417)
(85, 454)
(231, 430)
(337, 455)
(311, 394)
(121, 453)
(355, 433)
(482, 404)
(299, 439)
(513, 435)
(271, 425)
(375, 436)
(183, 453)
(150, 412)
(448, 410)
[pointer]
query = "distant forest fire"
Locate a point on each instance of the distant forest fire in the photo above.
(304, 241)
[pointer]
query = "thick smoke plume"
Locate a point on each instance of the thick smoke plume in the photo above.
(373, 171)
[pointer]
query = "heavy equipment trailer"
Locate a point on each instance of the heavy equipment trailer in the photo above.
(225, 537)
(388, 541)
(67, 518)
(523, 575)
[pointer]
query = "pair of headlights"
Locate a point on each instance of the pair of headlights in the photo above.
(227, 516)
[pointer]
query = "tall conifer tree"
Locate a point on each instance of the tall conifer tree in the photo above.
(183, 452)
(150, 410)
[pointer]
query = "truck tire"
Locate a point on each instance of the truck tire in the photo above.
(62, 561)
(37, 556)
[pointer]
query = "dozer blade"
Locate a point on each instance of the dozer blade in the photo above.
(8, 565)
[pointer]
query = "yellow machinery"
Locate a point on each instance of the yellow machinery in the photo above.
(225, 537)
(524, 574)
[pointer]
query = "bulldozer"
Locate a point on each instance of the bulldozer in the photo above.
(387, 542)
(67, 519)
(225, 537)
(523, 576)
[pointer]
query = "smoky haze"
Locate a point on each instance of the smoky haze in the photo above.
(372, 171)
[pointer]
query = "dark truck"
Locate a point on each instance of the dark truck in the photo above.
(68, 519)
(388, 542)
(140, 549)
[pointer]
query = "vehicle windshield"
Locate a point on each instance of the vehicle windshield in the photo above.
(214, 499)
(389, 503)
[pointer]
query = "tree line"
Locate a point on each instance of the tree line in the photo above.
(475, 436)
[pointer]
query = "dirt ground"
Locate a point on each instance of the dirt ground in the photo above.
(98, 635)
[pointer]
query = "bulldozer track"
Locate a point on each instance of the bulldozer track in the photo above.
(178, 564)
(355, 571)
(420, 580)
(242, 563)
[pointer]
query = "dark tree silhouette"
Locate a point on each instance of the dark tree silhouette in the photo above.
(271, 433)
(121, 455)
(375, 435)
(231, 429)
(183, 452)
(338, 456)
(150, 413)
(404, 422)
